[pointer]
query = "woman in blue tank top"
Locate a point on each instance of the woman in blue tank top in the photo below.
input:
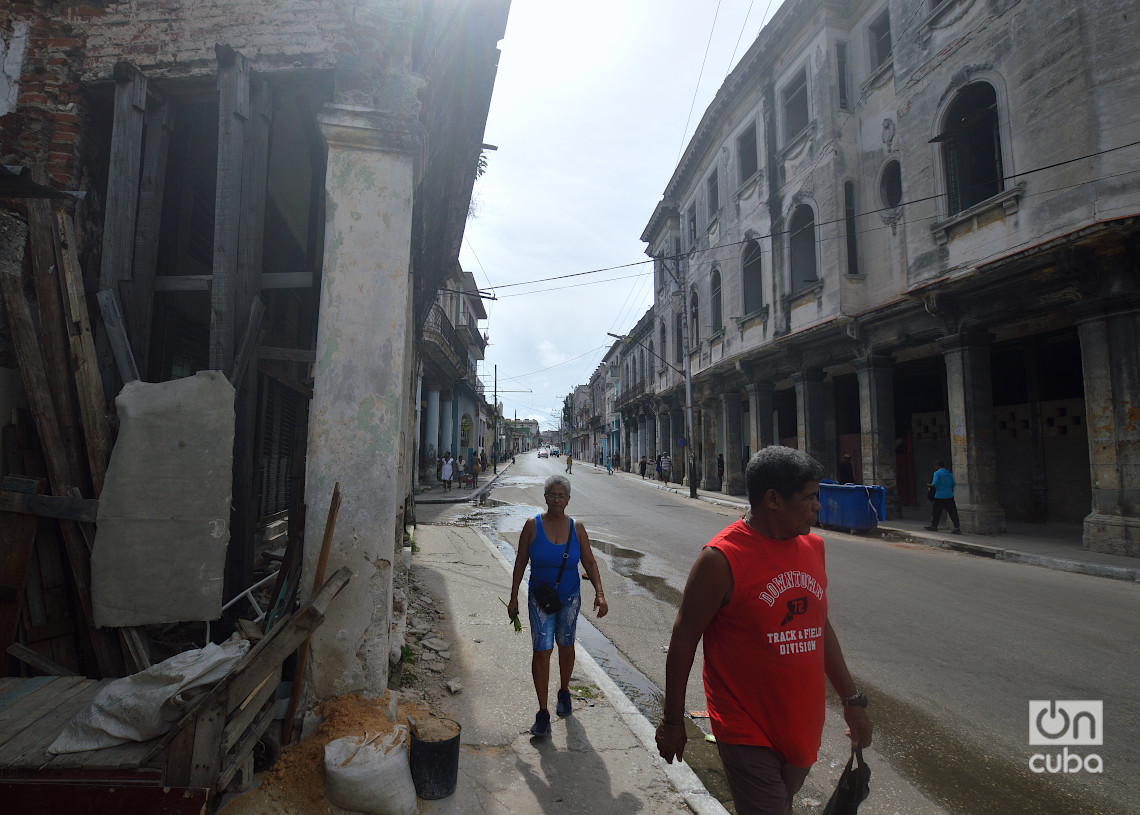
(544, 540)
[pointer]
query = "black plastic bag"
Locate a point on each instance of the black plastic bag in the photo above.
(853, 788)
(930, 493)
(546, 597)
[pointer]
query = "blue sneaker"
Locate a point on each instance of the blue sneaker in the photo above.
(564, 707)
(541, 726)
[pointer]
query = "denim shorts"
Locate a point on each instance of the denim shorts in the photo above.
(561, 625)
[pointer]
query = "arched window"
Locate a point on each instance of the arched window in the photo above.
(641, 366)
(679, 337)
(717, 311)
(971, 147)
(849, 226)
(651, 359)
(695, 320)
(664, 340)
(752, 279)
(802, 229)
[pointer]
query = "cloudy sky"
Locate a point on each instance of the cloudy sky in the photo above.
(590, 113)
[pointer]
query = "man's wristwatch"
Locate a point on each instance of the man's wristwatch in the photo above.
(857, 699)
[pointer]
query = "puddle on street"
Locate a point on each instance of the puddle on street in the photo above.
(627, 563)
(964, 777)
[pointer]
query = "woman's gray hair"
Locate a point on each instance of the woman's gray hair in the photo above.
(556, 479)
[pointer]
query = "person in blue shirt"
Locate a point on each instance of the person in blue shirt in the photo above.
(943, 484)
(544, 540)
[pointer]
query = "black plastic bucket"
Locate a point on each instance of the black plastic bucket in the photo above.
(435, 765)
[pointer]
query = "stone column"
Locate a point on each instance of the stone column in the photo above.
(709, 409)
(431, 434)
(640, 438)
(628, 433)
(650, 434)
(877, 427)
(360, 403)
(760, 412)
(678, 455)
(447, 441)
(811, 414)
(663, 445)
(1110, 357)
(733, 477)
(971, 410)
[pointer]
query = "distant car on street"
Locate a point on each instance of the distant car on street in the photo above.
(554, 451)
(542, 453)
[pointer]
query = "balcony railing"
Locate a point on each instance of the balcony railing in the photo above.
(437, 321)
(470, 332)
(630, 394)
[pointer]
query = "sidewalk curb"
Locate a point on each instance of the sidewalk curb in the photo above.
(680, 775)
(474, 495)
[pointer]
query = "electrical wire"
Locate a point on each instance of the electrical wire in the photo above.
(704, 59)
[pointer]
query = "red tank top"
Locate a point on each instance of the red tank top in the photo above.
(763, 665)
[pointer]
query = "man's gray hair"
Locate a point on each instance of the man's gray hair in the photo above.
(781, 469)
(556, 479)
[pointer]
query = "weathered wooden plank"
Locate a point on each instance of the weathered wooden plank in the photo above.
(38, 661)
(140, 304)
(92, 402)
(53, 335)
(121, 207)
(287, 354)
(49, 506)
(13, 689)
(249, 341)
(273, 372)
(232, 764)
(287, 280)
(29, 748)
(233, 115)
(207, 762)
(17, 537)
(243, 717)
(116, 327)
(99, 797)
(190, 282)
(29, 710)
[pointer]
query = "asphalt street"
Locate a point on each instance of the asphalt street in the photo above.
(950, 647)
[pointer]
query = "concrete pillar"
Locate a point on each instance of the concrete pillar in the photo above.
(1110, 357)
(679, 455)
(431, 434)
(447, 442)
(811, 414)
(877, 427)
(733, 477)
(971, 411)
(628, 436)
(709, 408)
(663, 445)
(640, 439)
(760, 412)
(651, 434)
(360, 405)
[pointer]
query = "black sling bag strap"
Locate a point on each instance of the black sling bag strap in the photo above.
(547, 596)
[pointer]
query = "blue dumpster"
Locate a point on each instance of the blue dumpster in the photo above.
(851, 506)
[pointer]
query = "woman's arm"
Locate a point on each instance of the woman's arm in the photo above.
(590, 564)
(522, 558)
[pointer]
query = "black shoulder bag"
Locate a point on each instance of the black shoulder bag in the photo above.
(853, 788)
(546, 597)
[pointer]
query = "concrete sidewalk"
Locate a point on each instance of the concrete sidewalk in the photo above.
(602, 759)
(1052, 546)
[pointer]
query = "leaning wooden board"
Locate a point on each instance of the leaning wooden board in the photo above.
(208, 748)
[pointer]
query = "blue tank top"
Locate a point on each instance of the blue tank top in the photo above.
(546, 558)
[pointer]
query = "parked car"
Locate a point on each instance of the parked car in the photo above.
(542, 453)
(555, 452)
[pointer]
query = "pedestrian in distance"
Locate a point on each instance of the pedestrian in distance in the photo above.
(941, 492)
(446, 471)
(666, 467)
(554, 544)
(610, 464)
(846, 473)
(569, 462)
(641, 466)
(757, 594)
(476, 468)
(657, 468)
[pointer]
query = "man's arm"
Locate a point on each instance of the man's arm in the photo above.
(835, 666)
(707, 590)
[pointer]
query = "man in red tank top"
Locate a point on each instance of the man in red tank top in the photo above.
(758, 595)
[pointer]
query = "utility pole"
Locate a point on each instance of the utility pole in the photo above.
(495, 422)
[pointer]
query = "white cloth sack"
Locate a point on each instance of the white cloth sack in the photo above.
(147, 704)
(375, 778)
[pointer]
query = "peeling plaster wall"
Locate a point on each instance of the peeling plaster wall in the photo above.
(360, 407)
(12, 47)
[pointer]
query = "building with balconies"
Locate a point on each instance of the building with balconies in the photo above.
(454, 413)
(909, 231)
